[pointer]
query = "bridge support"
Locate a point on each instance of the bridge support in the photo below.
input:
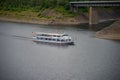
(93, 16)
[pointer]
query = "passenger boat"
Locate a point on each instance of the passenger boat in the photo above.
(52, 38)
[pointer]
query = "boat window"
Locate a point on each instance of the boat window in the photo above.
(58, 39)
(46, 38)
(54, 40)
(62, 40)
(42, 34)
(49, 39)
(58, 36)
(65, 35)
(41, 38)
(37, 37)
(54, 35)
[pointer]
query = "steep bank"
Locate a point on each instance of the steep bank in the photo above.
(111, 32)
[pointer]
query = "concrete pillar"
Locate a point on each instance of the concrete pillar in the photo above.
(90, 15)
(93, 16)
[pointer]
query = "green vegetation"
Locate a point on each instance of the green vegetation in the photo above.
(36, 5)
(43, 9)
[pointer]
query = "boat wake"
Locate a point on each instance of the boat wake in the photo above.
(15, 36)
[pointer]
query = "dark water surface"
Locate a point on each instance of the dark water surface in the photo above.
(89, 59)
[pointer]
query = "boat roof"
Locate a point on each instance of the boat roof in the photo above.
(59, 34)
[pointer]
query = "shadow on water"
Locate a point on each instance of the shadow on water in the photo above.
(101, 25)
(85, 26)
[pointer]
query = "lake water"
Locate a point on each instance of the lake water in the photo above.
(89, 59)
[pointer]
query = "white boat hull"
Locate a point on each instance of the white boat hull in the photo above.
(53, 42)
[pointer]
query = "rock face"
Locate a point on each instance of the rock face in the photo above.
(111, 32)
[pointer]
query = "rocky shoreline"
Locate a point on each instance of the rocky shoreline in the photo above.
(48, 22)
